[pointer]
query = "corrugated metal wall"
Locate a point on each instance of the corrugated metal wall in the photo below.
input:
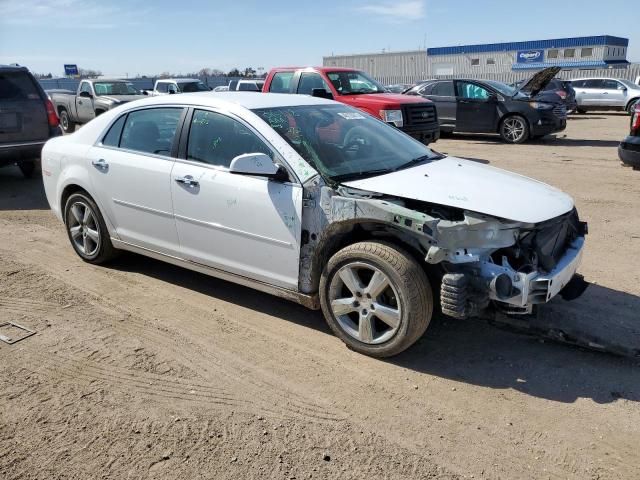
(387, 68)
(410, 67)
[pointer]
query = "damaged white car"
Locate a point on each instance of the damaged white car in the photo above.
(316, 202)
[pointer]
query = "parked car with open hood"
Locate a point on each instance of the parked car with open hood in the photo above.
(559, 87)
(606, 94)
(487, 106)
(169, 86)
(27, 118)
(93, 98)
(317, 202)
(629, 148)
(416, 117)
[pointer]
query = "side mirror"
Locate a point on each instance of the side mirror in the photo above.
(144, 92)
(258, 164)
(210, 88)
(492, 97)
(171, 92)
(86, 95)
(321, 93)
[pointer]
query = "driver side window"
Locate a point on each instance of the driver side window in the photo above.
(471, 91)
(86, 87)
(216, 139)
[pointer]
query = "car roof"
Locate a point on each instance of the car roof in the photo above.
(321, 69)
(178, 80)
(13, 68)
(248, 100)
(98, 80)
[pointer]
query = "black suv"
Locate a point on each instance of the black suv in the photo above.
(27, 119)
(487, 106)
(560, 87)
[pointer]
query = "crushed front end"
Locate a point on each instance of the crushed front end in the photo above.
(540, 263)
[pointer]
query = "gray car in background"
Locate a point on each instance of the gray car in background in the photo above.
(605, 94)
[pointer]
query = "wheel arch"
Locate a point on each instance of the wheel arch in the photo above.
(343, 234)
(630, 102)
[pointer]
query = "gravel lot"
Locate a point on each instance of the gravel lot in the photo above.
(144, 370)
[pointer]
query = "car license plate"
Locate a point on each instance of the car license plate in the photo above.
(8, 121)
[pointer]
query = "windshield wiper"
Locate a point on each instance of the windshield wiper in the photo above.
(418, 160)
(357, 175)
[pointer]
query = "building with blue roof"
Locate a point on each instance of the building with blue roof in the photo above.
(593, 52)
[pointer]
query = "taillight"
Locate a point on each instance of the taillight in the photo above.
(561, 93)
(52, 116)
(635, 122)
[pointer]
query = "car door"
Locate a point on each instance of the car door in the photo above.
(84, 102)
(476, 108)
(614, 93)
(443, 94)
(131, 175)
(246, 225)
(590, 92)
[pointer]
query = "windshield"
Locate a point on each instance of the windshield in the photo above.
(343, 143)
(187, 87)
(114, 88)
(503, 88)
(354, 83)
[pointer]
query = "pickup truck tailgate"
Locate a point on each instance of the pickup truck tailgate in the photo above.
(23, 115)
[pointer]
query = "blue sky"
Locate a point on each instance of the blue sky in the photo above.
(134, 37)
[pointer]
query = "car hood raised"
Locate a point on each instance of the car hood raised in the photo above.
(472, 186)
(538, 81)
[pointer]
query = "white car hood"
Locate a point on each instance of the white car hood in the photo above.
(475, 187)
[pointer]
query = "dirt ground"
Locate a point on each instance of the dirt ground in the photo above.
(144, 370)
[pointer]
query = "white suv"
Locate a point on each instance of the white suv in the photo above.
(319, 203)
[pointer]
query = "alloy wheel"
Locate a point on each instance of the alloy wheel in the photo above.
(514, 129)
(83, 229)
(365, 303)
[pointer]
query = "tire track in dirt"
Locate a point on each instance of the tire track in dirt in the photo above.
(272, 398)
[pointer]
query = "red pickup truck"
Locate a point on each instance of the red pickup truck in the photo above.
(416, 117)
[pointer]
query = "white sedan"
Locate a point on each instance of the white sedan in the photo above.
(316, 202)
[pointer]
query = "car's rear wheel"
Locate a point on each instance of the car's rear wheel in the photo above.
(632, 105)
(27, 168)
(581, 110)
(514, 129)
(376, 298)
(86, 229)
(68, 126)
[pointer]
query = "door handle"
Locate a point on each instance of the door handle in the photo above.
(79, 102)
(188, 181)
(605, 93)
(100, 164)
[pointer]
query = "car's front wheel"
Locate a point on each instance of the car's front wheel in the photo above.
(86, 229)
(376, 298)
(514, 129)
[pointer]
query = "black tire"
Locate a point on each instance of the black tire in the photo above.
(68, 125)
(632, 105)
(414, 298)
(514, 129)
(581, 110)
(104, 250)
(27, 168)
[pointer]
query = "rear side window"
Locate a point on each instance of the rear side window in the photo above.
(112, 138)
(216, 139)
(280, 82)
(443, 89)
(18, 86)
(309, 81)
(151, 130)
